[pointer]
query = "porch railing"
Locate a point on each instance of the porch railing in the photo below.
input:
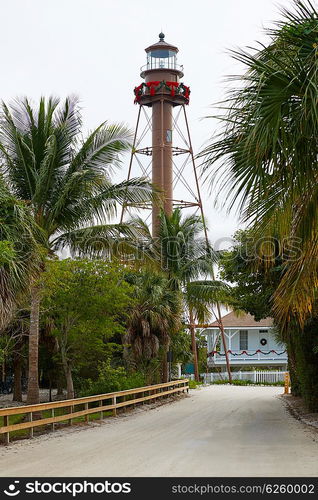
(252, 355)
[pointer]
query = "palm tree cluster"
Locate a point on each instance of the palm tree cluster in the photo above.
(56, 191)
(181, 254)
(266, 156)
(57, 194)
(155, 317)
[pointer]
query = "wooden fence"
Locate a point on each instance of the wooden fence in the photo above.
(82, 407)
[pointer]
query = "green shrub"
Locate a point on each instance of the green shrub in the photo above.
(306, 361)
(193, 384)
(242, 382)
(133, 380)
(246, 382)
(111, 379)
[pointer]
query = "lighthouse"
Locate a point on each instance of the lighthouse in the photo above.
(162, 91)
(162, 99)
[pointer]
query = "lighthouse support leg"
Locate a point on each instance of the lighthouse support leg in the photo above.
(219, 316)
(130, 163)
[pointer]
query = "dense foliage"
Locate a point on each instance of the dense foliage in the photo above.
(253, 283)
(85, 308)
(66, 183)
(180, 251)
(265, 159)
(252, 291)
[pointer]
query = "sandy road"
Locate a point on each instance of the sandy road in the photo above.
(216, 431)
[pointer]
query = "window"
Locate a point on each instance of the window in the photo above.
(243, 340)
(263, 331)
(168, 135)
(162, 58)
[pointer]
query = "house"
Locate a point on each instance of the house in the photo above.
(249, 343)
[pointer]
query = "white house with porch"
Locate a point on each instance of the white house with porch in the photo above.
(249, 343)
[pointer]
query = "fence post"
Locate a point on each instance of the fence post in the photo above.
(6, 436)
(86, 416)
(31, 428)
(114, 400)
(53, 415)
(71, 411)
(124, 407)
(101, 413)
(286, 383)
(255, 376)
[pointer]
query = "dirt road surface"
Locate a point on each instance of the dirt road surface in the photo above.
(216, 431)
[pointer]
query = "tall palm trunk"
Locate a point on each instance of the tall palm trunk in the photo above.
(69, 381)
(165, 374)
(194, 348)
(68, 374)
(127, 355)
(17, 385)
(60, 384)
(3, 370)
(33, 396)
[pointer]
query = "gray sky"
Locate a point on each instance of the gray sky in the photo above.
(94, 49)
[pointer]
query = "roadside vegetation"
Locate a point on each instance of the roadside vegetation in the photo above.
(106, 317)
(265, 161)
(247, 382)
(122, 304)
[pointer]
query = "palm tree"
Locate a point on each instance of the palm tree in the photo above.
(19, 260)
(180, 250)
(155, 316)
(266, 156)
(66, 182)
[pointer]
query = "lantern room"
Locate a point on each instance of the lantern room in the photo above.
(162, 57)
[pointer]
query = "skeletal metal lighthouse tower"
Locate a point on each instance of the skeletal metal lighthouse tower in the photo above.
(165, 97)
(162, 92)
(164, 157)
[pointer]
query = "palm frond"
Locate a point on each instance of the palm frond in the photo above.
(20, 252)
(266, 157)
(67, 182)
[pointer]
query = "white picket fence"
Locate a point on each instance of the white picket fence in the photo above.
(255, 376)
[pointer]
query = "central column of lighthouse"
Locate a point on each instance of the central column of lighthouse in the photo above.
(162, 169)
(162, 92)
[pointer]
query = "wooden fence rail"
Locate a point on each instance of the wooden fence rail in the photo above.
(115, 400)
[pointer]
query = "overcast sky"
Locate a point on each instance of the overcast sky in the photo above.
(94, 48)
